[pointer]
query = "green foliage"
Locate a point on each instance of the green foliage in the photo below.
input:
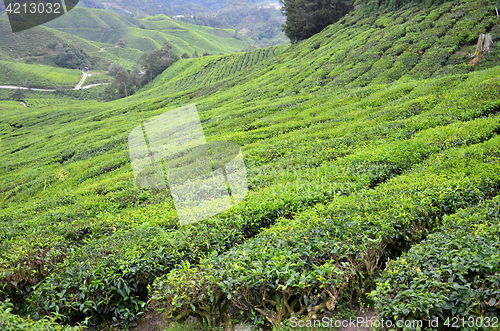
(18, 95)
(355, 151)
(11, 322)
(156, 62)
(128, 83)
(303, 265)
(152, 6)
(145, 35)
(396, 4)
(305, 18)
(71, 59)
(454, 273)
(42, 45)
(15, 74)
(262, 25)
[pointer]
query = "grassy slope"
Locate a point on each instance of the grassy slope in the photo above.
(33, 44)
(16, 73)
(149, 33)
(368, 115)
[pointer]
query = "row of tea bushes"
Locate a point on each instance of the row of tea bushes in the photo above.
(294, 192)
(117, 268)
(192, 74)
(166, 246)
(11, 322)
(304, 265)
(453, 276)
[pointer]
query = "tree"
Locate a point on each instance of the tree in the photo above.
(114, 68)
(18, 95)
(128, 82)
(305, 18)
(72, 58)
(154, 63)
(121, 43)
(122, 80)
(27, 84)
(185, 56)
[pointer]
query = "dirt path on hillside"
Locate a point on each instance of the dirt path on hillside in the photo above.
(77, 87)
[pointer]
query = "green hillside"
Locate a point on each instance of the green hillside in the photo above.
(38, 75)
(38, 45)
(88, 37)
(148, 33)
(373, 167)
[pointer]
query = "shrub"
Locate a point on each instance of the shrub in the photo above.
(11, 322)
(454, 273)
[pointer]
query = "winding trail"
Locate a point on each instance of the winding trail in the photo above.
(77, 87)
(24, 88)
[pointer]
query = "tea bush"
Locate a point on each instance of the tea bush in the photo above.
(354, 153)
(303, 265)
(453, 273)
(11, 322)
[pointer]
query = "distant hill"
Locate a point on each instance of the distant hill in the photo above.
(42, 45)
(169, 7)
(262, 24)
(149, 33)
(90, 36)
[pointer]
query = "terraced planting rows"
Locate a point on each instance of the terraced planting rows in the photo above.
(96, 32)
(351, 164)
(149, 33)
(188, 75)
(39, 76)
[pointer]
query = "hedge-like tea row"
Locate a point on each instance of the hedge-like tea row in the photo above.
(293, 193)
(189, 75)
(39, 76)
(304, 265)
(118, 268)
(70, 211)
(11, 322)
(141, 260)
(453, 274)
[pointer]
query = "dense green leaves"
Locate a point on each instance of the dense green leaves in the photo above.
(11, 322)
(453, 273)
(304, 265)
(357, 147)
(305, 18)
(395, 4)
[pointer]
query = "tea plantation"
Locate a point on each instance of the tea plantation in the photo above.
(373, 159)
(93, 36)
(149, 33)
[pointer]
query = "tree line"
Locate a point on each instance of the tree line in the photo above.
(305, 18)
(263, 25)
(151, 64)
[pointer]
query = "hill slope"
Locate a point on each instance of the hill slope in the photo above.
(16, 74)
(148, 33)
(90, 36)
(358, 143)
(38, 45)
